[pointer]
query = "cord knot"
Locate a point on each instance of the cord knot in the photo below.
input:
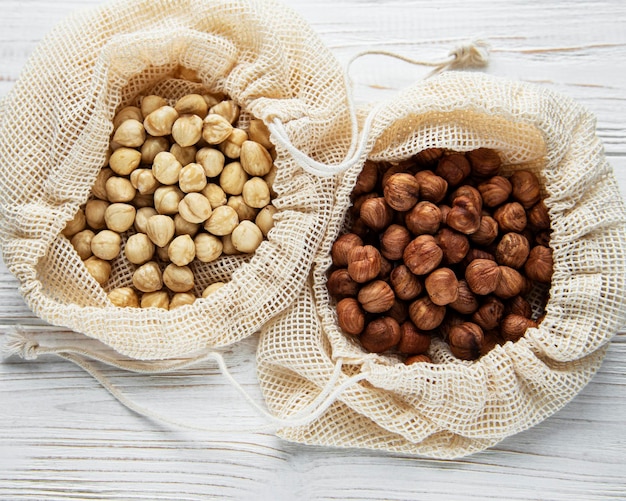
(473, 54)
(17, 343)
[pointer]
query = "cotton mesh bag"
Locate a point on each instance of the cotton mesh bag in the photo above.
(450, 408)
(54, 136)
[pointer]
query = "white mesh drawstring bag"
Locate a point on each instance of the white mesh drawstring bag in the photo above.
(451, 408)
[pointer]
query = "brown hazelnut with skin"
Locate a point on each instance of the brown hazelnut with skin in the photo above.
(526, 189)
(425, 314)
(454, 245)
(401, 191)
(495, 191)
(485, 162)
(539, 266)
(357, 202)
(453, 168)
(464, 216)
(482, 276)
(487, 231)
(340, 284)
(543, 238)
(413, 341)
(422, 255)
(442, 286)
(385, 269)
(512, 250)
(511, 217)
(363, 263)
(466, 341)
(350, 316)
(489, 314)
(418, 359)
(519, 306)
(433, 188)
(538, 217)
(393, 242)
(466, 302)
(376, 213)
(389, 170)
(491, 339)
(342, 246)
(399, 311)
(367, 179)
(428, 157)
(475, 253)
(424, 218)
(406, 285)
(381, 335)
(510, 283)
(513, 327)
(469, 192)
(376, 297)
(450, 320)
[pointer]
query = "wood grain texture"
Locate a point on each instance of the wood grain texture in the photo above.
(63, 437)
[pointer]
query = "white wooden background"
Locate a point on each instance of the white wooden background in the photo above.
(63, 437)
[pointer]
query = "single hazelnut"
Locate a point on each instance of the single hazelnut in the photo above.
(413, 341)
(123, 161)
(212, 161)
(192, 104)
(228, 248)
(178, 278)
(143, 181)
(151, 103)
(212, 289)
(367, 179)
(187, 130)
(184, 154)
(422, 255)
(464, 216)
(148, 278)
(160, 229)
(393, 242)
(433, 188)
(423, 218)
(232, 146)
(141, 218)
(223, 221)
(255, 159)
(182, 299)
(160, 121)
(359, 228)
(453, 168)
(161, 253)
(192, 178)
(442, 286)
(195, 208)
(340, 284)
(381, 335)
(265, 219)
(156, 299)
(119, 217)
(387, 170)
(184, 227)
(512, 250)
(270, 179)
(127, 113)
(401, 191)
(99, 188)
(342, 246)
(139, 249)
(106, 245)
(120, 189)
(425, 314)
(131, 134)
(99, 269)
(357, 202)
(256, 193)
(466, 341)
(215, 194)
(94, 214)
(405, 285)
(482, 276)
(246, 237)
(538, 217)
(511, 217)
(216, 129)
(470, 192)
(428, 157)
(489, 314)
(526, 189)
(539, 266)
(454, 245)
(364, 263)
(474, 253)
(350, 316)
(166, 168)
(259, 133)
(376, 297)
(244, 211)
(513, 327)
(485, 162)
(233, 178)
(124, 297)
(228, 109)
(418, 359)
(167, 199)
(208, 247)
(519, 306)
(495, 191)
(510, 283)
(445, 210)
(81, 242)
(451, 319)
(376, 213)
(399, 311)
(181, 250)
(211, 99)
(487, 231)
(466, 302)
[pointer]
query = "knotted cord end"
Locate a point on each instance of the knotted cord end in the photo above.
(16, 342)
(473, 54)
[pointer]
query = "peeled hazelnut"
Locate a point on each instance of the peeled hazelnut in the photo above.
(255, 159)
(485, 162)
(228, 248)
(464, 216)
(99, 269)
(119, 217)
(265, 219)
(233, 178)
(465, 302)
(139, 248)
(130, 133)
(259, 133)
(192, 104)
(187, 130)
(363, 263)
(489, 313)
(182, 299)
(184, 227)
(539, 266)
(124, 297)
(195, 208)
(181, 250)
(160, 121)
(157, 299)
(167, 199)
(208, 247)
(228, 109)
(94, 214)
(232, 146)
(184, 154)
(512, 250)
(425, 217)
(212, 161)
(223, 221)
(422, 255)
(401, 191)
(123, 161)
(376, 297)
(425, 314)
(143, 181)
(513, 327)
(376, 213)
(393, 242)
(213, 99)
(342, 246)
(216, 129)
(413, 341)
(511, 217)
(246, 237)
(466, 341)
(166, 168)
(433, 188)
(81, 242)
(405, 285)
(453, 168)
(148, 278)
(350, 316)
(367, 179)
(151, 103)
(212, 289)
(106, 245)
(340, 284)
(495, 191)
(482, 276)
(99, 188)
(418, 359)
(244, 211)
(442, 286)
(119, 189)
(161, 253)
(519, 306)
(215, 194)
(538, 217)
(192, 178)
(455, 246)
(141, 218)
(526, 188)
(256, 193)
(510, 283)
(487, 231)
(381, 335)
(178, 278)
(127, 113)
(270, 179)
(160, 229)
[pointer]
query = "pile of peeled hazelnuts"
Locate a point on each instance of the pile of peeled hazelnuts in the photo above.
(442, 244)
